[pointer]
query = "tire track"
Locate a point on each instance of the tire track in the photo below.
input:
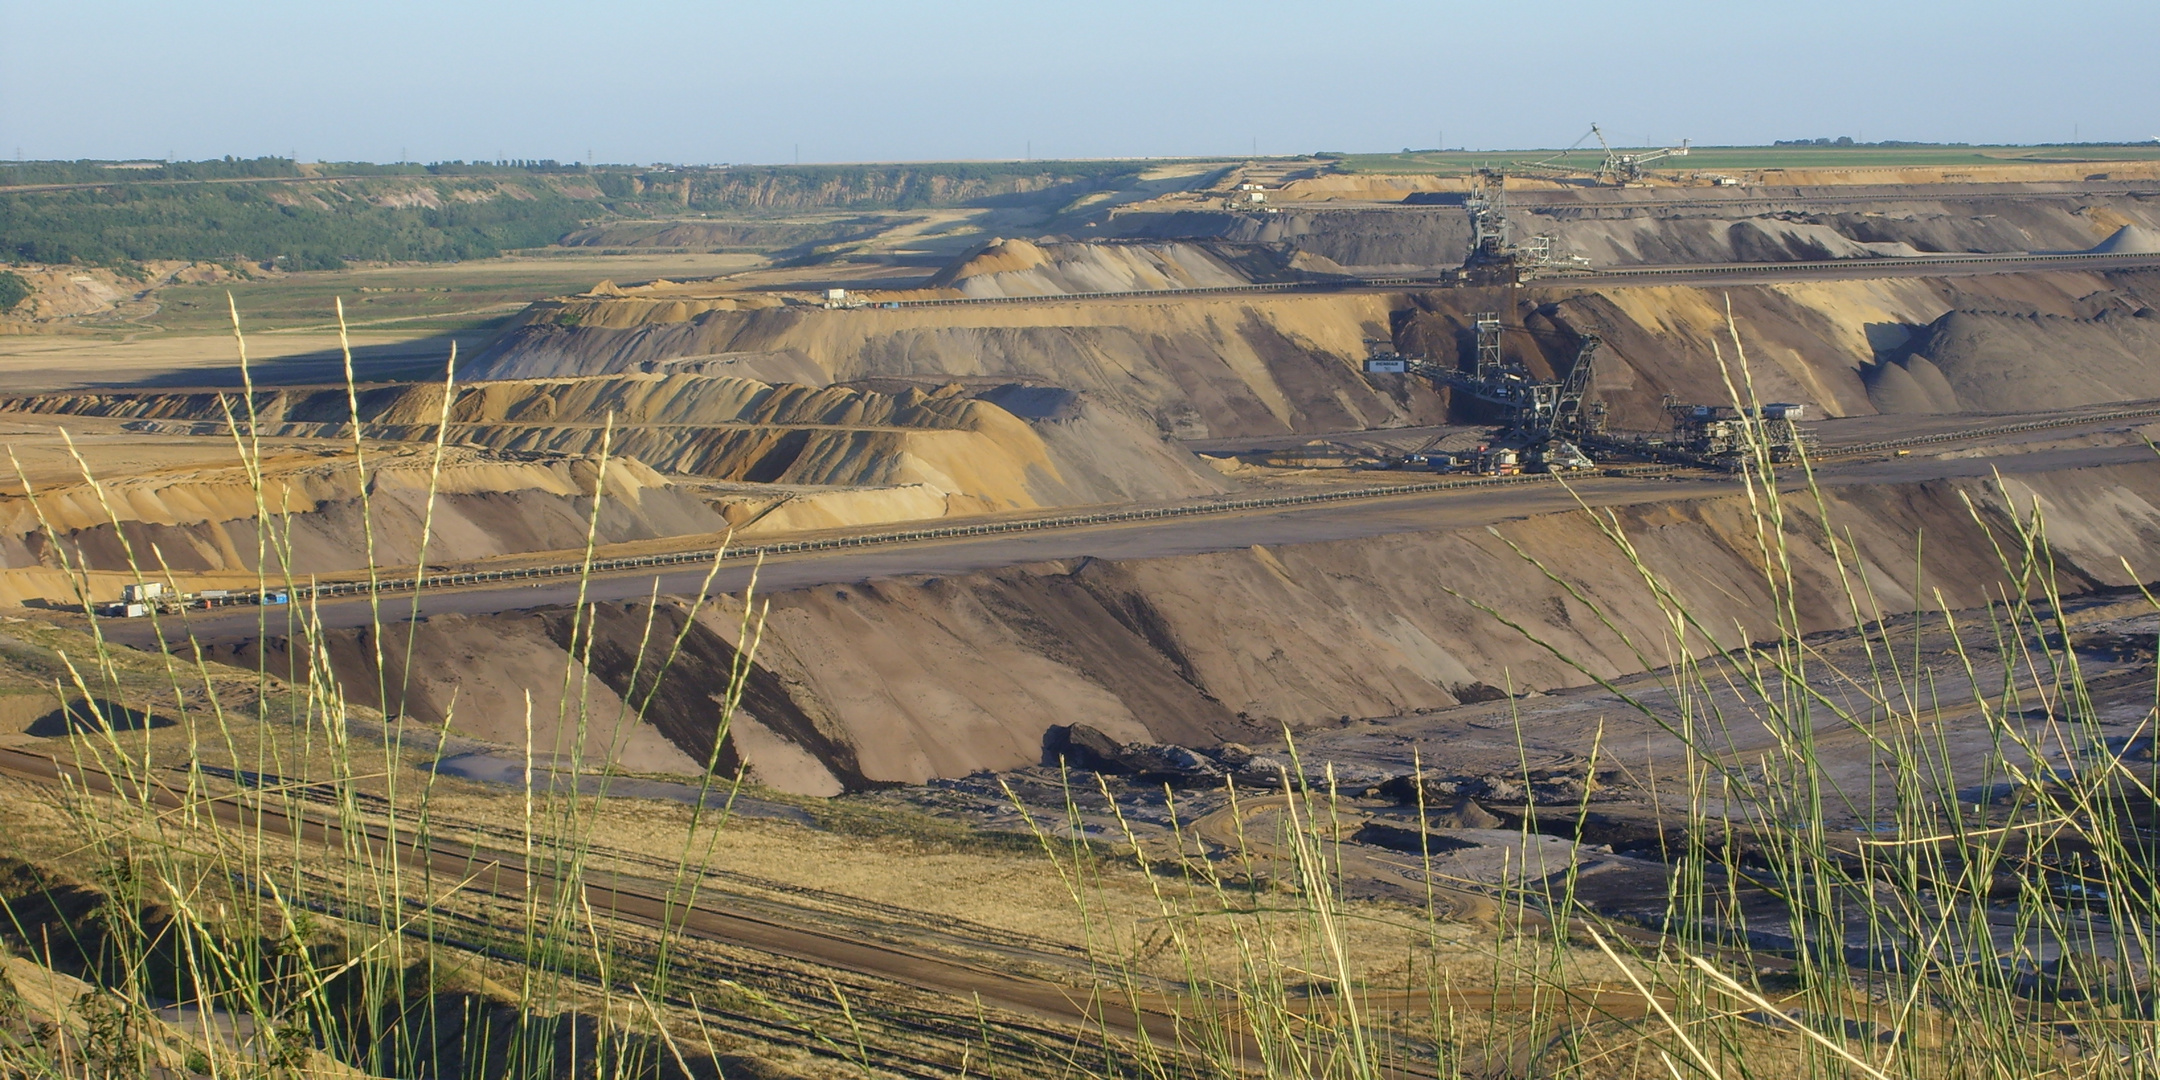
(1182, 1022)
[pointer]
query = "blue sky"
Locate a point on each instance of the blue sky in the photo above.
(899, 80)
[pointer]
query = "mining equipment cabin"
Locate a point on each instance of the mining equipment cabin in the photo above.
(142, 599)
(1546, 421)
(1718, 434)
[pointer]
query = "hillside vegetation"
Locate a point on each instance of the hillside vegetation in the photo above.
(303, 225)
(315, 217)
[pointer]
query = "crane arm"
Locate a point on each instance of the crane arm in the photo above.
(1670, 151)
(1578, 376)
(1562, 155)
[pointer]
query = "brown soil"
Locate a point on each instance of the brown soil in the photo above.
(1668, 226)
(523, 467)
(59, 294)
(1992, 361)
(1023, 268)
(909, 679)
(1220, 366)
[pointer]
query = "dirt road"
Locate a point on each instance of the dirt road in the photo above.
(645, 902)
(1167, 1020)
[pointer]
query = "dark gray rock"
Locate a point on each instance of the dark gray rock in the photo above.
(1082, 747)
(1409, 838)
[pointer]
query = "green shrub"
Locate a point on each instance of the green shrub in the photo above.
(13, 290)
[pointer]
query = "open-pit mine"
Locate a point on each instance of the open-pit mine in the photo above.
(1148, 519)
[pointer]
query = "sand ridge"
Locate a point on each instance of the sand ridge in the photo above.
(1025, 268)
(1621, 228)
(912, 678)
(730, 428)
(1997, 361)
(686, 455)
(1221, 366)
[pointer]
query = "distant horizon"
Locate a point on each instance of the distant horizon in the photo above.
(524, 162)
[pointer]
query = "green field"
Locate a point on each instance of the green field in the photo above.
(1713, 158)
(442, 298)
(468, 298)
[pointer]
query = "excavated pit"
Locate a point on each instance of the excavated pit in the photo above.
(1235, 366)
(689, 455)
(903, 680)
(1429, 229)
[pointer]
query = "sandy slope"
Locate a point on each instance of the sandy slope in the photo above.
(1994, 361)
(1216, 366)
(71, 292)
(911, 678)
(731, 428)
(205, 518)
(523, 466)
(1623, 228)
(1196, 366)
(1024, 268)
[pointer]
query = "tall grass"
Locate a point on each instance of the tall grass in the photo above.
(2004, 937)
(261, 898)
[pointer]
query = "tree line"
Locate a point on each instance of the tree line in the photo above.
(332, 214)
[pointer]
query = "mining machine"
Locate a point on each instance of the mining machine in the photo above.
(1625, 170)
(1725, 437)
(1490, 244)
(1536, 408)
(1495, 257)
(1614, 167)
(1559, 163)
(1547, 424)
(1546, 421)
